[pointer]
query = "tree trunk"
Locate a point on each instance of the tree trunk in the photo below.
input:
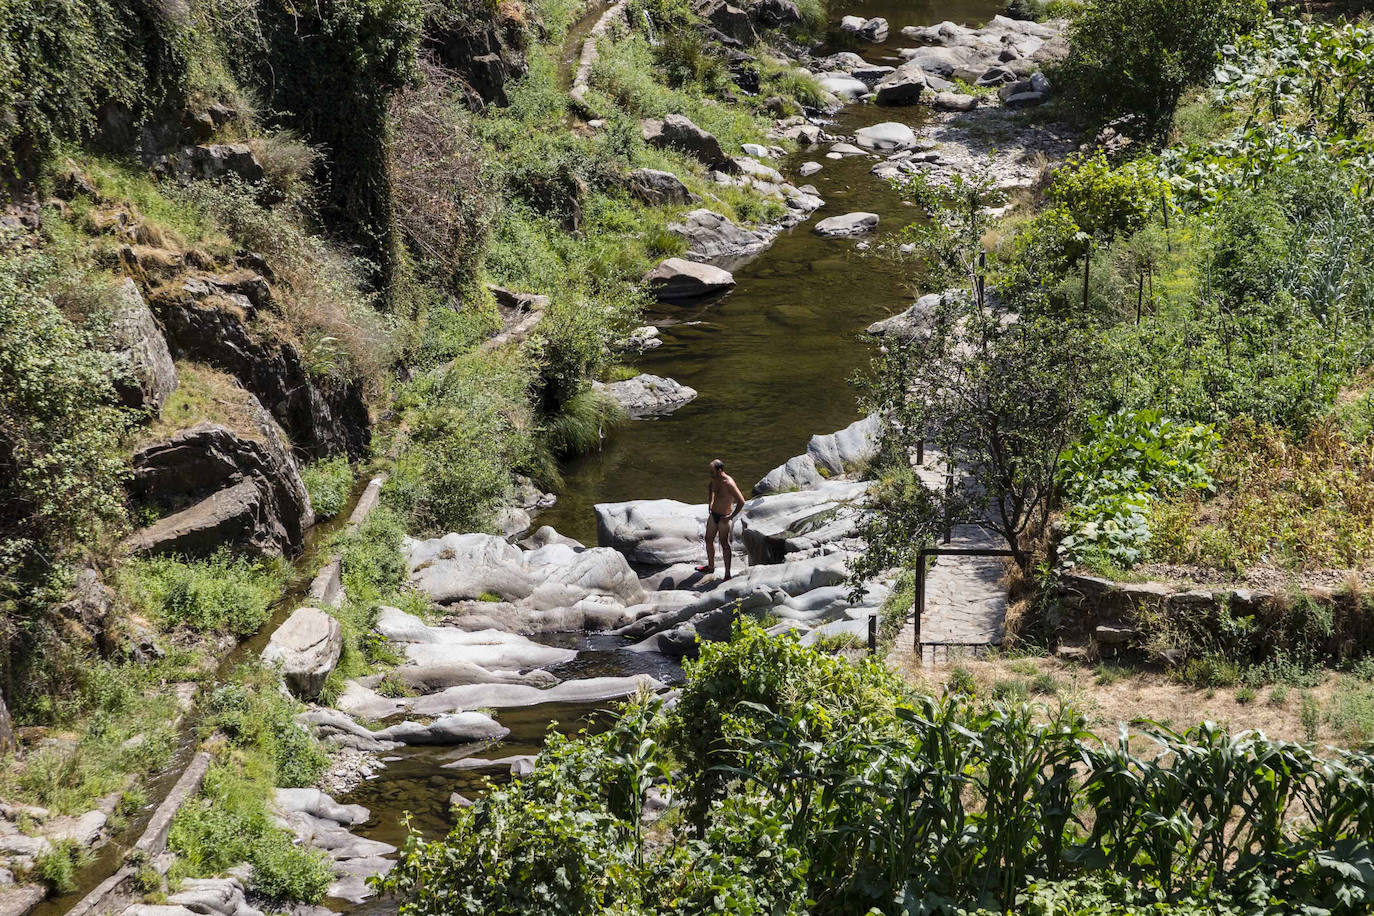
(7, 742)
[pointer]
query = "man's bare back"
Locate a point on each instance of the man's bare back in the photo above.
(723, 502)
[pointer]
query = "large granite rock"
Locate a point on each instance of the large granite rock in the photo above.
(648, 395)
(711, 236)
(493, 650)
(848, 224)
(848, 449)
(485, 51)
(144, 373)
(729, 20)
(307, 648)
(678, 132)
(903, 86)
(470, 567)
(775, 13)
(677, 279)
(220, 486)
(213, 161)
(890, 135)
(658, 188)
(798, 473)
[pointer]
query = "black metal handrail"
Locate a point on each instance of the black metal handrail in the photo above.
(920, 602)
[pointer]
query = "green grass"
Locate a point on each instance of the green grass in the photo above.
(57, 868)
(584, 422)
(329, 483)
(221, 593)
(1351, 714)
(122, 721)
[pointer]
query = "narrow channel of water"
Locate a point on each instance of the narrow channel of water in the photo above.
(772, 362)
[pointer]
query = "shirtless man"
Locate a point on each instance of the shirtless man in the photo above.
(723, 502)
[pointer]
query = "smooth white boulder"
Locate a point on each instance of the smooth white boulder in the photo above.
(847, 449)
(509, 696)
(306, 647)
(848, 224)
(889, 135)
(844, 86)
(648, 395)
(677, 279)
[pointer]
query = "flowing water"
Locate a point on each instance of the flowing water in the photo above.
(772, 361)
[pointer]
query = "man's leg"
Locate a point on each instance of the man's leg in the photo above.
(724, 531)
(711, 545)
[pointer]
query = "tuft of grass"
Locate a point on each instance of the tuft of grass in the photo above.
(329, 483)
(58, 866)
(583, 422)
(202, 395)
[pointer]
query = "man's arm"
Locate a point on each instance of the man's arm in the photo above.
(738, 497)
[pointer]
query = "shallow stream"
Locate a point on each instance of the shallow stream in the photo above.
(772, 362)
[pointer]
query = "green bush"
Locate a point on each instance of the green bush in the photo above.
(469, 427)
(229, 823)
(1112, 473)
(221, 593)
(584, 422)
(329, 483)
(253, 712)
(1135, 58)
(60, 462)
(834, 793)
(58, 866)
(284, 871)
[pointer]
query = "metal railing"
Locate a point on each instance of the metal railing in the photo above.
(920, 604)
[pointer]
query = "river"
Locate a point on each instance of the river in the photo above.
(772, 361)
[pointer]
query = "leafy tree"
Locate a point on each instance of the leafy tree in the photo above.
(1000, 398)
(60, 464)
(1104, 203)
(1135, 58)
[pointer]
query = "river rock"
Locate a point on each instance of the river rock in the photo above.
(903, 86)
(850, 448)
(144, 374)
(458, 728)
(953, 101)
(511, 696)
(490, 649)
(808, 169)
(655, 532)
(841, 62)
(676, 279)
(911, 323)
(799, 473)
(711, 236)
(647, 395)
(874, 29)
(470, 567)
(658, 188)
(307, 647)
(889, 135)
(844, 86)
(678, 132)
(846, 225)
(317, 804)
(213, 897)
(211, 161)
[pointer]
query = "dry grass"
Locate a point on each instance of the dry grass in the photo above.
(1116, 696)
(202, 394)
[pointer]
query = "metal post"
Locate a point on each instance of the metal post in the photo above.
(921, 452)
(873, 633)
(949, 501)
(920, 600)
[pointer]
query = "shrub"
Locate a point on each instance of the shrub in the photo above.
(58, 866)
(329, 483)
(256, 715)
(1113, 472)
(1136, 57)
(469, 427)
(60, 461)
(221, 593)
(584, 422)
(284, 871)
